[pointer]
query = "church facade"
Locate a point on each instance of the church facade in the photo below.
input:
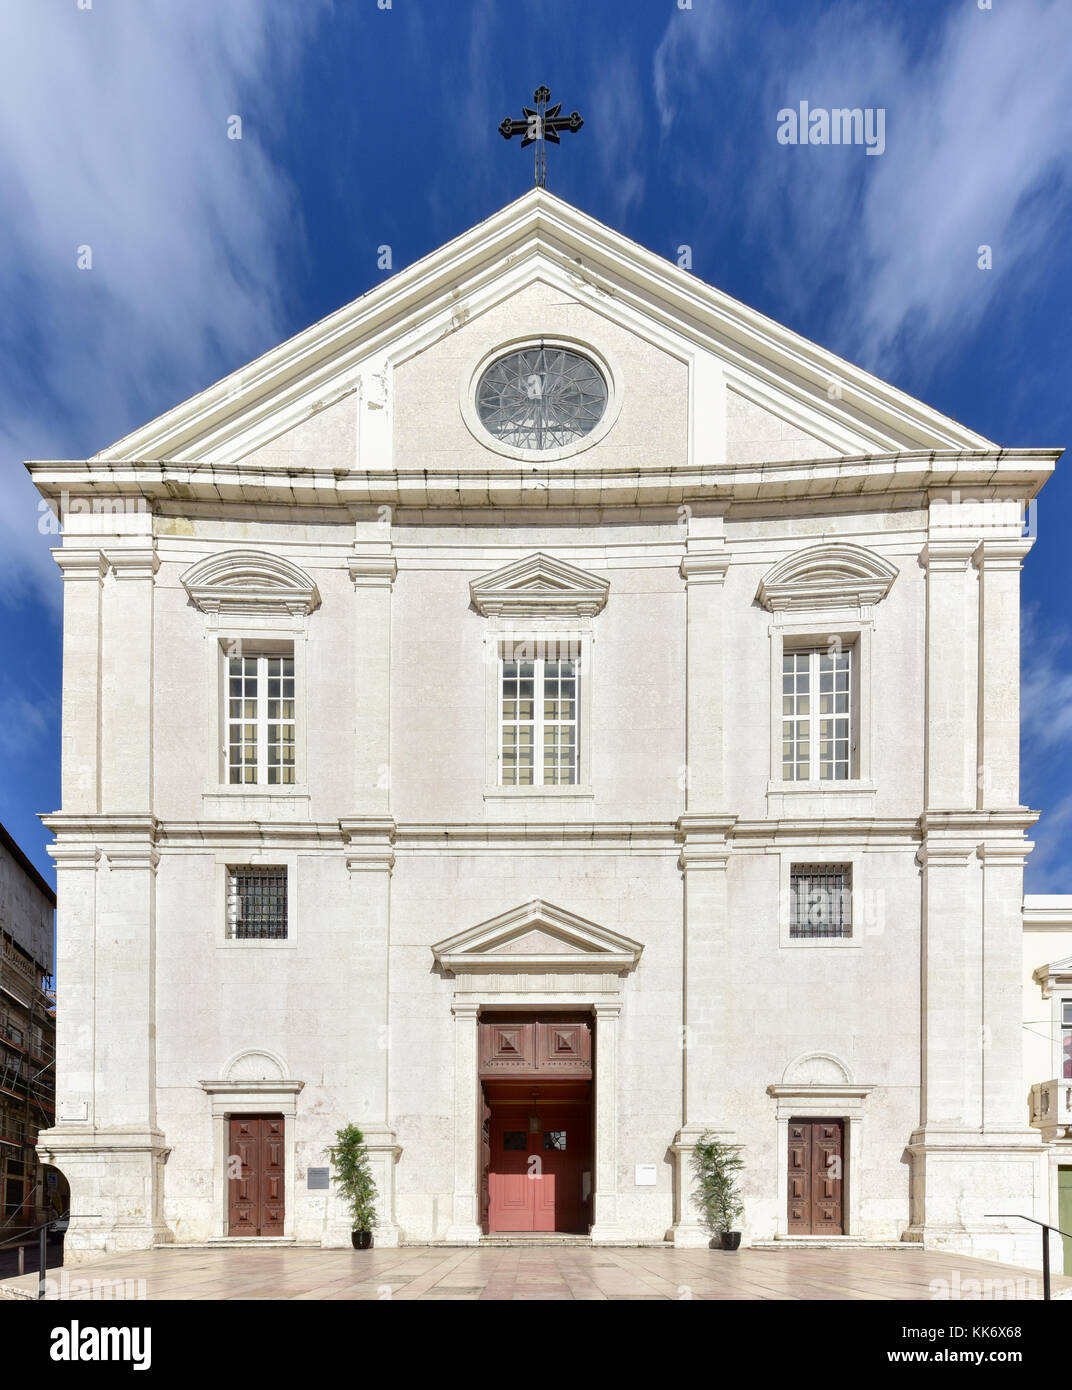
(539, 714)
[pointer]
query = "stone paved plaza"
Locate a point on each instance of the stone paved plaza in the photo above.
(426, 1272)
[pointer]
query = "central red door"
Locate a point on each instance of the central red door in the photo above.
(537, 1176)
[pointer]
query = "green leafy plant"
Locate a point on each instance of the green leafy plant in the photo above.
(353, 1176)
(716, 1166)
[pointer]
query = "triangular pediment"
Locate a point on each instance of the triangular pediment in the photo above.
(541, 237)
(537, 937)
(539, 584)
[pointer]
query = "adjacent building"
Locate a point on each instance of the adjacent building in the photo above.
(543, 712)
(28, 1192)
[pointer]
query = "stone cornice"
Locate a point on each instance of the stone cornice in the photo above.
(566, 485)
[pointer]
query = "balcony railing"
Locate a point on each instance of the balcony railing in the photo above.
(1051, 1107)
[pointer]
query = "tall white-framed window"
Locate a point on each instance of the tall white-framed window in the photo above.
(539, 713)
(818, 726)
(261, 729)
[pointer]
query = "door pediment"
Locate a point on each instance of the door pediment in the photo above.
(540, 938)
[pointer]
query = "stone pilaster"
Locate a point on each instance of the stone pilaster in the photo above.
(705, 1043)
(465, 1221)
(83, 574)
(372, 569)
(952, 673)
(606, 1221)
(999, 563)
(127, 682)
(370, 860)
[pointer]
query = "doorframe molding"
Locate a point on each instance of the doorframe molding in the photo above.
(247, 1096)
(499, 965)
(821, 1100)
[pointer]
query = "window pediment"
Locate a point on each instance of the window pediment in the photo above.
(245, 582)
(539, 584)
(838, 575)
(537, 937)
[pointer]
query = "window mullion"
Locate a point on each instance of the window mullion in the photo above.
(262, 720)
(537, 711)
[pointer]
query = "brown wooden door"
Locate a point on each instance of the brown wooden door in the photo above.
(816, 1177)
(255, 1205)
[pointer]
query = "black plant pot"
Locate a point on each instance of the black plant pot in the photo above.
(731, 1240)
(362, 1240)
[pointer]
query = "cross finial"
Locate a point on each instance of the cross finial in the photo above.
(539, 126)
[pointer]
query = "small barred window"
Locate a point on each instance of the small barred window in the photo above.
(257, 903)
(820, 900)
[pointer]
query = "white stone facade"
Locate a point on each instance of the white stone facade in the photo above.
(746, 495)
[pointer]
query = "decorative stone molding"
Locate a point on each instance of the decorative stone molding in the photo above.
(134, 562)
(254, 1080)
(81, 564)
(837, 575)
(250, 582)
(537, 937)
(369, 843)
(1057, 975)
(820, 1085)
(539, 585)
(372, 571)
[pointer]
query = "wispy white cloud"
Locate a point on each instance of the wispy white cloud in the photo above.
(114, 136)
(689, 45)
(978, 153)
(612, 103)
(1046, 741)
(978, 126)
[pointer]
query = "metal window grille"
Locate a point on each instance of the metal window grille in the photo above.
(257, 903)
(820, 900)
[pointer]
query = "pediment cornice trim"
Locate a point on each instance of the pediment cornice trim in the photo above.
(245, 582)
(537, 937)
(835, 575)
(537, 585)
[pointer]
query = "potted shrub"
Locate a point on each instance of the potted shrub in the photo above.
(716, 1166)
(353, 1175)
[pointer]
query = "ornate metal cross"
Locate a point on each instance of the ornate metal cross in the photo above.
(539, 126)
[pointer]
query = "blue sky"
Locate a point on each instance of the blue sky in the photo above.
(365, 124)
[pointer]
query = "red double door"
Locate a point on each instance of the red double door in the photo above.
(256, 1165)
(537, 1176)
(536, 1137)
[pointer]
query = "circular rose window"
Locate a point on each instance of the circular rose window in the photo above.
(541, 398)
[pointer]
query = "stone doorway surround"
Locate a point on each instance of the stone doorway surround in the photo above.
(535, 956)
(254, 1081)
(819, 1085)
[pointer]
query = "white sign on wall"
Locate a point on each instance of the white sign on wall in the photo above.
(645, 1175)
